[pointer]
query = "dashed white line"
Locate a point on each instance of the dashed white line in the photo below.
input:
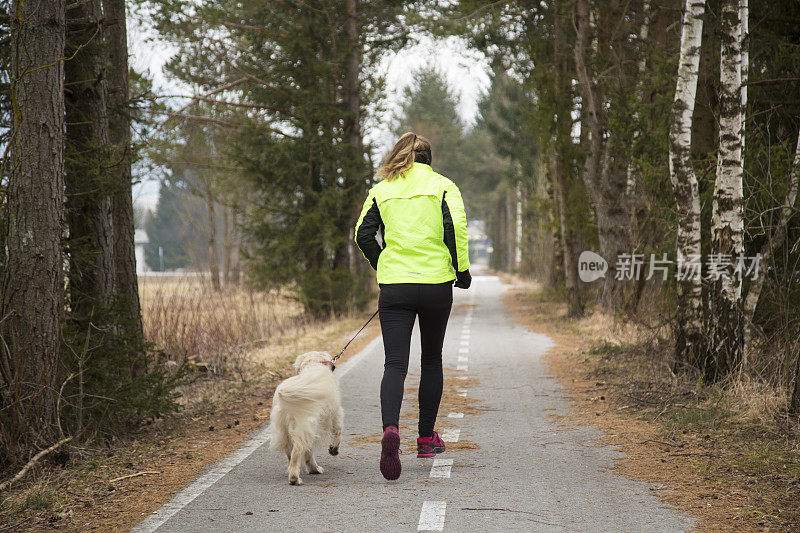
(451, 435)
(465, 342)
(462, 377)
(462, 367)
(463, 350)
(455, 415)
(431, 517)
(462, 359)
(441, 468)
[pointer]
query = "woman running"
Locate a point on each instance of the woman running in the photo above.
(420, 220)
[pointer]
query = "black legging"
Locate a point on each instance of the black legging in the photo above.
(399, 305)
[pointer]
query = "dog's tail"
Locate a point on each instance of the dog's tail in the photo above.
(298, 402)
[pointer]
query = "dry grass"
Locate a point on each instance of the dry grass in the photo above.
(186, 319)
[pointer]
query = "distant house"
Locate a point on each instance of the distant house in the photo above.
(140, 240)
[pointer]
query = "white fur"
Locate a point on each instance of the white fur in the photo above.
(307, 413)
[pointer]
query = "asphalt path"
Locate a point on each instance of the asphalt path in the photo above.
(509, 467)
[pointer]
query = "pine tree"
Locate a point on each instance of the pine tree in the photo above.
(289, 69)
(32, 278)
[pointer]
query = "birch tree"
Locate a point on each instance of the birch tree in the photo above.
(727, 223)
(688, 335)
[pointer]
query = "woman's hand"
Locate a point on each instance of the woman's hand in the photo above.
(463, 279)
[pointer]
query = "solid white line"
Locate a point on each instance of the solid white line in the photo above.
(441, 468)
(455, 415)
(451, 435)
(222, 467)
(462, 367)
(431, 517)
(187, 495)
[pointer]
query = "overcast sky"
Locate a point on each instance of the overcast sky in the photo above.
(467, 72)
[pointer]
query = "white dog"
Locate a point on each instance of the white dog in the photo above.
(307, 412)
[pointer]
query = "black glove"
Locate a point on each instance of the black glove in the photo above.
(463, 279)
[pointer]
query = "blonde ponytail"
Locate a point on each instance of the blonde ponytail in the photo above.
(400, 158)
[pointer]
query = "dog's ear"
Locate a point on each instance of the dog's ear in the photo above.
(301, 361)
(310, 357)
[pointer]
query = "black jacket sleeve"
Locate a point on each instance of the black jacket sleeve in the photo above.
(449, 232)
(371, 224)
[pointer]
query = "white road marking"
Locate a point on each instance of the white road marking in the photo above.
(431, 517)
(462, 377)
(463, 394)
(221, 468)
(466, 330)
(463, 350)
(465, 343)
(462, 359)
(451, 435)
(441, 468)
(462, 367)
(455, 415)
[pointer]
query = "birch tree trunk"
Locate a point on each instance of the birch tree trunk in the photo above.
(689, 319)
(32, 281)
(727, 223)
(89, 209)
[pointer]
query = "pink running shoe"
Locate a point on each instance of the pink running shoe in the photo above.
(430, 446)
(390, 453)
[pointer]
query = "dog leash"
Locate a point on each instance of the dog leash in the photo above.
(356, 335)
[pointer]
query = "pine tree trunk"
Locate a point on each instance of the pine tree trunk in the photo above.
(727, 221)
(688, 334)
(563, 172)
(227, 245)
(604, 181)
(32, 281)
(120, 172)
(352, 124)
(213, 251)
(556, 263)
(88, 187)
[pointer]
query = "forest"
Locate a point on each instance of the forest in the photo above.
(663, 136)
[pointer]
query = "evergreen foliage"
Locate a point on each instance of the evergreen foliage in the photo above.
(284, 66)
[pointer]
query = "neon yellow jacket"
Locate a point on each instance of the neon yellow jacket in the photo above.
(421, 220)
